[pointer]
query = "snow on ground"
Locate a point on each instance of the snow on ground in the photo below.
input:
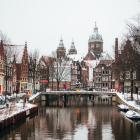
(131, 103)
(13, 108)
(33, 96)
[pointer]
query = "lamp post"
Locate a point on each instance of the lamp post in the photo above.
(137, 90)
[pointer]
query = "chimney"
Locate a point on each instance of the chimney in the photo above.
(116, 49)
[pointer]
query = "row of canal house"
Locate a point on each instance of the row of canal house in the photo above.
(95, 69)
(119, 73)
(13, 68)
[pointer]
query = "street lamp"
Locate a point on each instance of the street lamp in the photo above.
(137, 90)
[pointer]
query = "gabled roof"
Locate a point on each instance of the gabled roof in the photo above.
(105, 56)
(93, 54)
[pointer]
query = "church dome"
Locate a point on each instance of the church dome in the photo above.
(72, 49)
(95, 37)
(61, 43)
(72, 45)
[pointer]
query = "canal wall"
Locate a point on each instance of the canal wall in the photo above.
(17, 116)
(121, 101)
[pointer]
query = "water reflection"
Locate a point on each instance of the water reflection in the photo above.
(76, 118)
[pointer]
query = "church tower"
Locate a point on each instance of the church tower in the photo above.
(61, 50)
(95, 43)
(72, 49)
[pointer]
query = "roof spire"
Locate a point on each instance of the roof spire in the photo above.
(61, 42)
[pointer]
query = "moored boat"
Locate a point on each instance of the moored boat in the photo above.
(132, 114)
(123, 107)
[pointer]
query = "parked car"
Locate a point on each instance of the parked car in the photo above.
(90, 89)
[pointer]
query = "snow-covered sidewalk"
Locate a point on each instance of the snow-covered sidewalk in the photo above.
(130, 103)
(14, 108)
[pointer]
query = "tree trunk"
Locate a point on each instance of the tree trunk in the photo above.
(57, 85)
(131, 85)
(6, 81)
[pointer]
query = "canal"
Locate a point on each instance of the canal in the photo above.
(77, 118)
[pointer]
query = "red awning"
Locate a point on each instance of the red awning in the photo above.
(44, 81)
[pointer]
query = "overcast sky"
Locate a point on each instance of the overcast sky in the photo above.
(42, 22)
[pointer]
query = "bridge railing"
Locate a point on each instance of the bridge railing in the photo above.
(94, 90)
(105, 90)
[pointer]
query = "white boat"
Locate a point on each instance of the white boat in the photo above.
(123, 107)
(132, 114)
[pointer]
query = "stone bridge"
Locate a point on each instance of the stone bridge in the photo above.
(53, 94)
(45, 95)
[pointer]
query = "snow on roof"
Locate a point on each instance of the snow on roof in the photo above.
(77, 57)
(19, 54)
(91, 63)
(105, 56)
(93, 54)
(64, 63)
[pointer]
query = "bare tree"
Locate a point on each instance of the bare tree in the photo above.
(34, 62)
(133, 28)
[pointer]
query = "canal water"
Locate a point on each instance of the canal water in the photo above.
(77, 118)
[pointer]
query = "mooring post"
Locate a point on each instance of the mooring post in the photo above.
(92, 97)
(111, 98)
(89, 96)
(65, 96)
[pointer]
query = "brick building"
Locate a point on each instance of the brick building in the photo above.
(22, 71)
(102, 77)
(125, 68)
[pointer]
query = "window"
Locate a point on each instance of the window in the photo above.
(110, 72)
(78, 72)
(106, 72)
(96, 80)
(96, 74)
(106, 84)
(103, 72)
(106, 78)
(96, 85)
(134, 75)
(96, 70)
(99, 70)
(99, 80)
(109, 84)
(99, 85)
(100, 75)
(109, 78)
(103, 78)
(103, 84)
(127, 74)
